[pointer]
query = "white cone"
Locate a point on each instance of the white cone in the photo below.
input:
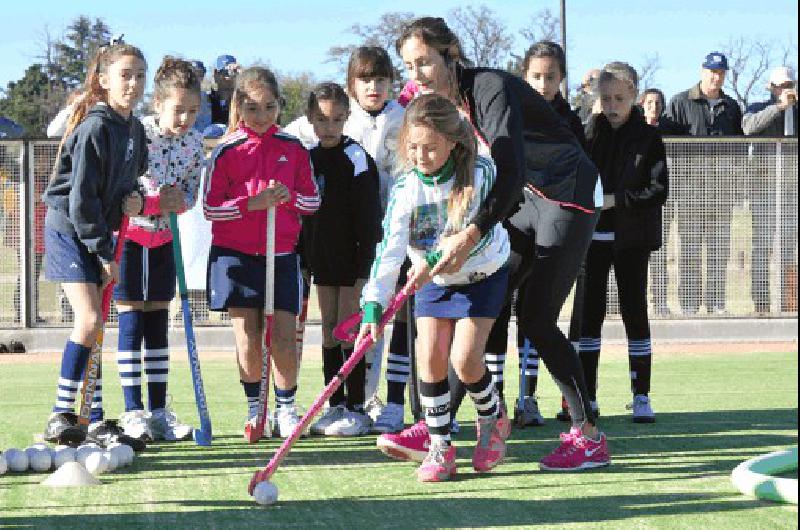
(71, 474)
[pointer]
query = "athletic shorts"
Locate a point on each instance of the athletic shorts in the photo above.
(146, 274)
(67, 260)
(236, 279)
(482, 299)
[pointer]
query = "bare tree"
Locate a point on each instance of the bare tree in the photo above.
(651, 64)
(482, 35)
(544, 25)
(748, 61)
(383, 33)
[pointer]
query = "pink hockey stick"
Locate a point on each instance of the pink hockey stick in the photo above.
(347, 330)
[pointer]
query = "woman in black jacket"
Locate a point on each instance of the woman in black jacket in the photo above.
(633, 169)
(545, 188)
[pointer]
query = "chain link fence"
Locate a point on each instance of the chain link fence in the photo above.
(730, 235)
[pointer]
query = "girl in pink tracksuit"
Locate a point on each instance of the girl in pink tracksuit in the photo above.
(253, 168)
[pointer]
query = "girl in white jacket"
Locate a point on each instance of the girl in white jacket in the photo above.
(454, 312)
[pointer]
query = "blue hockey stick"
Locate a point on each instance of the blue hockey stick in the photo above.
(203, 435)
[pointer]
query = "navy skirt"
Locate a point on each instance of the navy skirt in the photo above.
(482, 299)
(146, 274)
(236, 279)
(67, 260)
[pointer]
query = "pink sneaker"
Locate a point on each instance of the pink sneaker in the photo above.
(577, 452)
(439, 464)
(409, 444)
(503, 422)
(491, 447)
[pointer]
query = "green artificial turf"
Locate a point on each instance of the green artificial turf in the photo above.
(713, 412)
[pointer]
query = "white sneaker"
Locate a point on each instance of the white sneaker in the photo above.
(642, 410)
(390, 419)
(373, 407)
(330, 415)
(136, 424)
(286, 419)
(164, 425)
(351, 424)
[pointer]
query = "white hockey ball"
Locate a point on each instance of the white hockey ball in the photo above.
(63, 454)
(39, 459)
(96, 463)
(17, 460)
(266, 493)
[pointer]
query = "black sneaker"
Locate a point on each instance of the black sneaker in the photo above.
(62, 428)
(4, 348)
(107, 432)
(16, 346)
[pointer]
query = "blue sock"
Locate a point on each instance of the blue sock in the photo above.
(156, 357)
(129, 358)
(251, 391)
(73, 363)
(285, 398)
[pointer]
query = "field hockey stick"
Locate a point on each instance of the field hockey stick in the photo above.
(201, 436)
(413, 387)
(94, 363)
(263, 427)
(346, 331)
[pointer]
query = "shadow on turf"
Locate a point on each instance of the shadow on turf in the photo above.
(355, 512)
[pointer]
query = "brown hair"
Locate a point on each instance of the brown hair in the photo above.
(93, 93)
(327, 92)
(175, 73)
(545, 48)
(657, 92)
(435, 32)
(441, 115)
(368, 61)
(255, 77)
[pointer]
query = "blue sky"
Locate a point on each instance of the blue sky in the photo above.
(294, 36)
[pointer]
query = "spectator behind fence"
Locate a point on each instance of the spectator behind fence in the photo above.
(10, 129)
(587, 99)
(775, 117)
(653, 104)
(204, 114)
(225, 71)
(704, 208)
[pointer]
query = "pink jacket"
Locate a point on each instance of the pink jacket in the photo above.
(240, 167)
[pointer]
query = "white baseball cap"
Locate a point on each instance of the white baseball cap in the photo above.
(781, 75)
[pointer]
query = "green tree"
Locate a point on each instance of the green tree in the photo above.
(73, 53)
(295, 89)
(26, 100)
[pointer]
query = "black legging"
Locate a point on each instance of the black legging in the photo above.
(548, 245)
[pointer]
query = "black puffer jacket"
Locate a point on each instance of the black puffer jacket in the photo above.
(633, 167)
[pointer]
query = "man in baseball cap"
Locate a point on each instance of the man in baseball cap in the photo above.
(775, 117)
(225, 71)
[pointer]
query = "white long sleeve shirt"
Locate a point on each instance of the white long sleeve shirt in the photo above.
(416, 221)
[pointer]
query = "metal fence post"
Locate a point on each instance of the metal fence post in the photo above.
(25, 224)
(777, 307)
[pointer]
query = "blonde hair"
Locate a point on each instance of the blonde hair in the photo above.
(255, 77)
(619, 71)
(441, 115)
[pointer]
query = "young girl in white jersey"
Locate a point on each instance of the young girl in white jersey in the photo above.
(438, 196)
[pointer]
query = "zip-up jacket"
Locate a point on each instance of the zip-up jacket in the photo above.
(530, 143)
(241, 166)
(376, 134)
(98, 167)
(574, 123)
(172, 160)
(633, 167)
(340, 238)
(691, 111)
(416, 221)
(766, 119)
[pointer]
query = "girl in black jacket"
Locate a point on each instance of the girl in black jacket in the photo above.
(633, 169)
(339, 241)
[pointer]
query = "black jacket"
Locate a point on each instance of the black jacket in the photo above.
(691, 111)
(530, 144)
(339, 239)
(98, 167)
(633, 167)
(571, 117)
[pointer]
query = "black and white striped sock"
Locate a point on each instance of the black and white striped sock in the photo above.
(435, 400)
(496, 363)
(484, 395)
